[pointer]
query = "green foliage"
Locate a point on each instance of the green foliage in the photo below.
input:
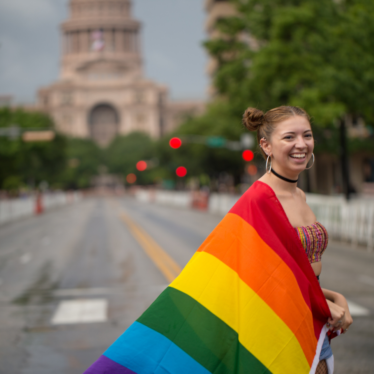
(82, 160)
(125, 151)
(12, 183)
(30, 162)
(201, 160)
(315, 54)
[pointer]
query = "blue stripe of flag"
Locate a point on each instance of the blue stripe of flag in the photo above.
(146, 351)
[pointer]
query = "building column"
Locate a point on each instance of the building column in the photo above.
(106, 36)
(136, 41)
(73, 42)
(131, 40)
(88, 40)
(82, 41)
(118, 38)
(126, 40)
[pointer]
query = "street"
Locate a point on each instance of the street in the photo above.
(72, 280)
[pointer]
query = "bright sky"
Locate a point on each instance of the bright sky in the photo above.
(173, 31)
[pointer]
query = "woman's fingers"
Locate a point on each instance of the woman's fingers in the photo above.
(348, 322)
(337, 319)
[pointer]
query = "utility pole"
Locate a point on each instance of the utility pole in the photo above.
(344, 158)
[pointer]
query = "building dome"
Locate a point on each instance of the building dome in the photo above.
(102, 91)
(100, 30)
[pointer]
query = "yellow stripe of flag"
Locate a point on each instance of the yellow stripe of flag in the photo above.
(219, 289)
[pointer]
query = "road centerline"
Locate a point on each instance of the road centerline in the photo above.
(168, 267)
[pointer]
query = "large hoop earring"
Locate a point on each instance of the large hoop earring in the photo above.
(312, 163)
(266, 167)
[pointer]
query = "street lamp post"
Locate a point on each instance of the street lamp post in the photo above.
(344, 158)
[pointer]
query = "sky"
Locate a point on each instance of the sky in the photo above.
(172, 36)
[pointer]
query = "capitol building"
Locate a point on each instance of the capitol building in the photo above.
(102, 91)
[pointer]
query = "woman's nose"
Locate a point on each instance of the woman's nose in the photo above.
(300, 142)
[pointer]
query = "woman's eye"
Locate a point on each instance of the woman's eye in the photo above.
(309, 135)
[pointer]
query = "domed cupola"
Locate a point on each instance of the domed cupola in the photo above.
(100, 33)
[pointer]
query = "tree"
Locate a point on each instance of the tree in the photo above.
(200, 159)
(29, 162)
(315, 54)
(83, 158)
(125, 151)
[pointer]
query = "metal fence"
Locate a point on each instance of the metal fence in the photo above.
(351, 221)
(13, 209)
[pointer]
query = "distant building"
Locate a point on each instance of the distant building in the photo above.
(215, 10)
(6, 100)
(101, 91)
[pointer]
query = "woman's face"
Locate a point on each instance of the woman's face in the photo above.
(291, 145)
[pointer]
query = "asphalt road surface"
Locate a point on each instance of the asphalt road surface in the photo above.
(73, 279)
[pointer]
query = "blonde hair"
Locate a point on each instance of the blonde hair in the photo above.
(255, 120)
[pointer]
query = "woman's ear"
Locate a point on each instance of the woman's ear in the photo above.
(266, 146)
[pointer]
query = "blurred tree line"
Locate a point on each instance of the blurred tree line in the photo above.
(318, 55)
(315, 54)
(60, 163)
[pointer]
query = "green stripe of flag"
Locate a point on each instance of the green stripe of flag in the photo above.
(200, 333)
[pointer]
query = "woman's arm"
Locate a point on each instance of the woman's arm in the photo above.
(339, 310)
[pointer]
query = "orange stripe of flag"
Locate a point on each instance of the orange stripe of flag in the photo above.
(238, 245)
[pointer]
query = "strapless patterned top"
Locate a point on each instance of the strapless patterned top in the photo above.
(314, 239)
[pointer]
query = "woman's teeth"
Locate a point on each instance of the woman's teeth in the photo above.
(299, 155)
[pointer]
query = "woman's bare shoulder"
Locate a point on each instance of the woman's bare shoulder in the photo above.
(301, 193)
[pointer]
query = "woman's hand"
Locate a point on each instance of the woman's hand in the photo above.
(339, 308)
(341, 301)
(337, 319)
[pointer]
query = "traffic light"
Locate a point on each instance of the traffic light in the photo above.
(181, 171)
(131, 178)
(247, 155)
(175, 143)
(141, 165)
(252, 170)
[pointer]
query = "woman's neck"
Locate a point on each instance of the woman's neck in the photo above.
(280, 185)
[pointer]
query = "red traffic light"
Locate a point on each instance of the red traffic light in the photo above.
(131, 178)
(141, 165)
(247, 155)
(181, 171)
(252, 170)
(175, 143)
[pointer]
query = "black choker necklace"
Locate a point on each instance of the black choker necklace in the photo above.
(284, 178)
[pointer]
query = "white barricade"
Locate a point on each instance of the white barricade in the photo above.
(13, 209)
(172, 198)
(349, 221)
(221, 203)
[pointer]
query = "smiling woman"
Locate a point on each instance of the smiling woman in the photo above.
(285, 137)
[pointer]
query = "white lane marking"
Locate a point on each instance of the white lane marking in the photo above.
(80, 311)
(82, 292)
(366, 279)
(357, 310)
(25, 258)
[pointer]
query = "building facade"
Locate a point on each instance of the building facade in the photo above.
(215, 10)
(101, 91)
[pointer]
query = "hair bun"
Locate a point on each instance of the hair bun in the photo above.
(253, 119)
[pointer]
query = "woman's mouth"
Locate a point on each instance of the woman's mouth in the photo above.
(298, 156)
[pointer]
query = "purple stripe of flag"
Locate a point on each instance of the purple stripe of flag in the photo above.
(106, 365)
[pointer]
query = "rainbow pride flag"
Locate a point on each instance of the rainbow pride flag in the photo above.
(247, 302)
